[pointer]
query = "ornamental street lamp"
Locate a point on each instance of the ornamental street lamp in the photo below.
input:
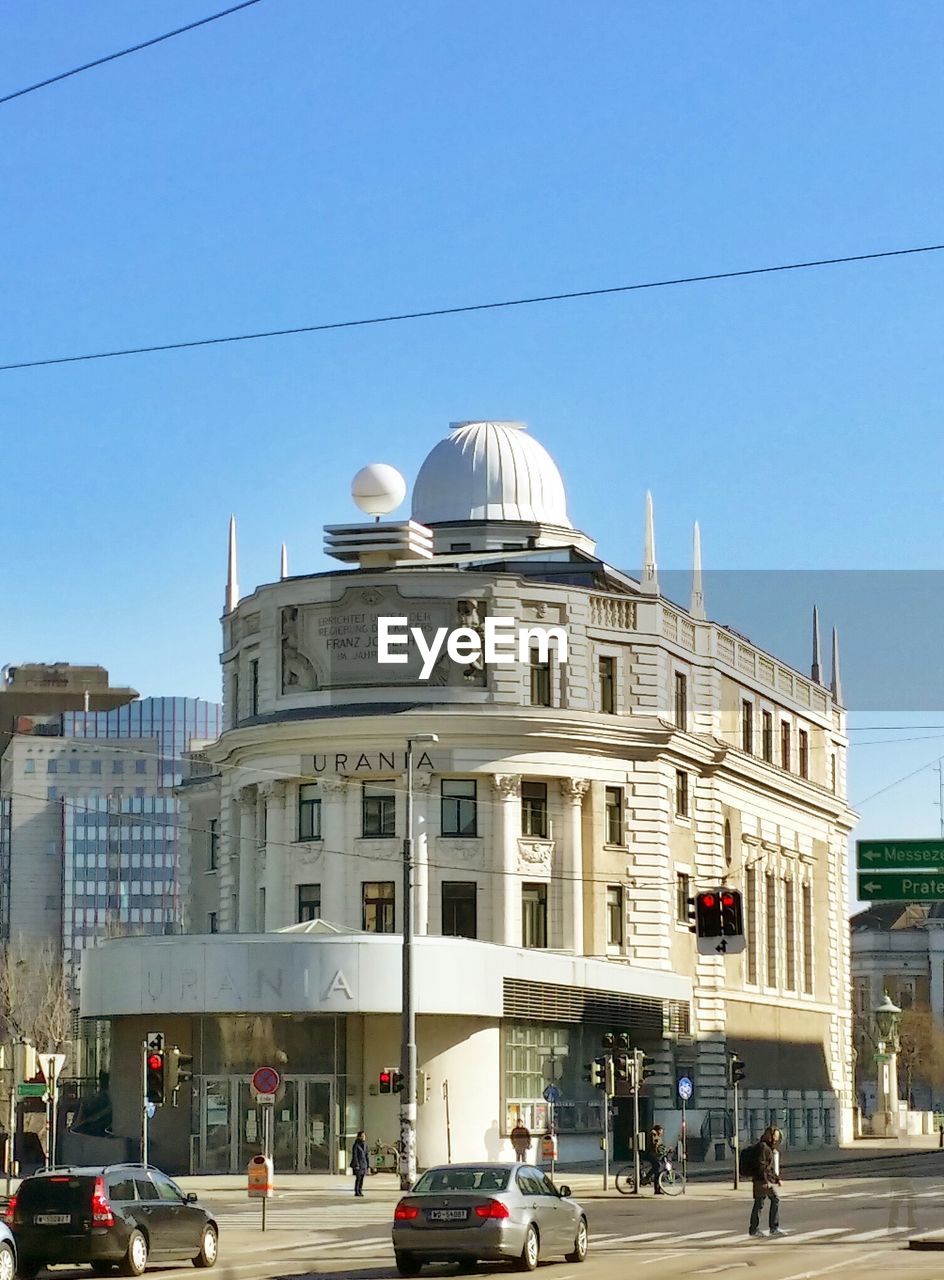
(408, 1032)
(887, 1016)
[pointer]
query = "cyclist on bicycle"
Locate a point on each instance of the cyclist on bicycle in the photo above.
(655, 1152)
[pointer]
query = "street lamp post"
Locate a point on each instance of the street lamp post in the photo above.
(887, 1016)
(408, 1033)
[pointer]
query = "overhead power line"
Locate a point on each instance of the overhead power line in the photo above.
(123, 53)
(468, 308)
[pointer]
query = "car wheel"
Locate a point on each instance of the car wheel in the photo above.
(581, 1243)
(531, 1250)
(209, 1248)
(407, 1265)
(7, 1262)
(136, 1256)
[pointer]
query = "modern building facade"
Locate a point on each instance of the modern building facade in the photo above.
(89, 837)
(564, 817)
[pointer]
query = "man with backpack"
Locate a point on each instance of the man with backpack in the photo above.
(762, 1162)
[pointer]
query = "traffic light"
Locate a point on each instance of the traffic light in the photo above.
(396, 1083)
(609, 1077)
(155, 1066)
(732, 916)
(422, 1086)
(736, 1070)
(609, 1040)
(621, 1064)
(708, 914)
(386, 1079)
(184, 1067)
(178, 1069)
(644, 1068)
(596, 1073)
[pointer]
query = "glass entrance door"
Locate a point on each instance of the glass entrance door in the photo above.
(303, 1125)
(319, 1135)
(284, 1127)
(216, 1123)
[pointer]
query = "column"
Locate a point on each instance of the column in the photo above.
(247, 860)
(421, 793)
(573, 790)
(278, 910)
(506, 895)
(334, 900)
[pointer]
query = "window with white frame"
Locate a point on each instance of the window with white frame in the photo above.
(681, 793)
(683, 892)
(681, 700)
(615, 916)
(614, 815)
(747, 726)
(773, 977)
(309, 811)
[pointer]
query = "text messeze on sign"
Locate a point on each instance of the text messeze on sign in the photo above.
(900, 870)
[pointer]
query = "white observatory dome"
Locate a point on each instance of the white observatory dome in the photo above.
(489, 471)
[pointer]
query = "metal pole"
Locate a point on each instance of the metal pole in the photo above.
(737, 1139)
(144, 1104)
(606, 1136)
(448, 1125)
(52, 1077)
(550, 1129)
(684, 1150)
(11, 1115)
(636, 1169)
(408, 1034)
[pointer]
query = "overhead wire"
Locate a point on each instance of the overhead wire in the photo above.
(123, 53)
(466, 309)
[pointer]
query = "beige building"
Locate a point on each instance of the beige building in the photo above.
(564, 816)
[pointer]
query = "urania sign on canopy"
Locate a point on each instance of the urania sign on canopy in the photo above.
(497, 640)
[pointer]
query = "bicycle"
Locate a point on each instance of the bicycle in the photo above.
(671, 1183)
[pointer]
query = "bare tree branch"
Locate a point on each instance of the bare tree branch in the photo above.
(35, 1000)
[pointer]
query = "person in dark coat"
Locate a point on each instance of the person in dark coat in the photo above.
(767, 1182)
(360, 1161)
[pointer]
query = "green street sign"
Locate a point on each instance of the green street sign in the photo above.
(31, 1090)
(881, 1057)
(912, 886)
(900, 855)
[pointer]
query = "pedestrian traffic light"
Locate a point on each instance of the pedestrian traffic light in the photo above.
(736, 1070)
(386, 1080)
(155, 1090)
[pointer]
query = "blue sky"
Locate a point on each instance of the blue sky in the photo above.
(302, 162)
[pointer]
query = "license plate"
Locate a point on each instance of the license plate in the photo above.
(448, 1215)
(52, 1219)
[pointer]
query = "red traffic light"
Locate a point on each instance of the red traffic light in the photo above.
(384, 1076)
(155, 1061)
(708, 899)
(727, 899)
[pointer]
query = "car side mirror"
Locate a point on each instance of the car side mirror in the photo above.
(564, 1192)
(191, 1197)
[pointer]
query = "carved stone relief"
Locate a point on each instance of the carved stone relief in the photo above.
(535, 855)
(298, 671)
(508, 785)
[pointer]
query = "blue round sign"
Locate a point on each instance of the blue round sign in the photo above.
(685, 1088)
(552, 1093)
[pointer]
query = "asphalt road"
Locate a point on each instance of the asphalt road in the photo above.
(838, 1226)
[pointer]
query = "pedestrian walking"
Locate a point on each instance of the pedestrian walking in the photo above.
(360, 1161)
(765, 1177)
(521, 1141)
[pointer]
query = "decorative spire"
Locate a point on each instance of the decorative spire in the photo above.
(816, 671)
(697, 607)
(283, 563)
(835, 684)
(232, 578)
(650, 573)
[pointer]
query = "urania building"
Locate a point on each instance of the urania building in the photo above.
(564, 814)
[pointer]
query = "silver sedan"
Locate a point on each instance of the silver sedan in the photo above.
(487, 1212)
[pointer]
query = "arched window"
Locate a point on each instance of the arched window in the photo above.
(727, 842)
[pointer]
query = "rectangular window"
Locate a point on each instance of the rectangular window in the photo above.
(750, 924)
(767, 736)
(96, 766)
(212, 922)
(540, 681)
(52, 766)
(789, 927)
(807, 898)
(773, 977)
(534, 810)
(459, 909)
(52, 793)
(73, 765)
(614, 916)
(785, 745)
(832, 773)
(614, 815)
(681, 793)
(683, 891)
(534, 915)
(309, 812)
(681, 700)
(803, 752)
(140, 766)
(607, 678)
(458, 814)
(378, 903)
(308, 898)
(526, 1048)
(214, 832)
(29, 766)
(117, 766)
(254, 686)
(747, 727)
(379, 813)
(235, 708)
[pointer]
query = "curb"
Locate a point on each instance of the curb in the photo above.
(926, 1244)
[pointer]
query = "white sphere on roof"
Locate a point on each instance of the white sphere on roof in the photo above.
(378, 489)
(489, 471)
